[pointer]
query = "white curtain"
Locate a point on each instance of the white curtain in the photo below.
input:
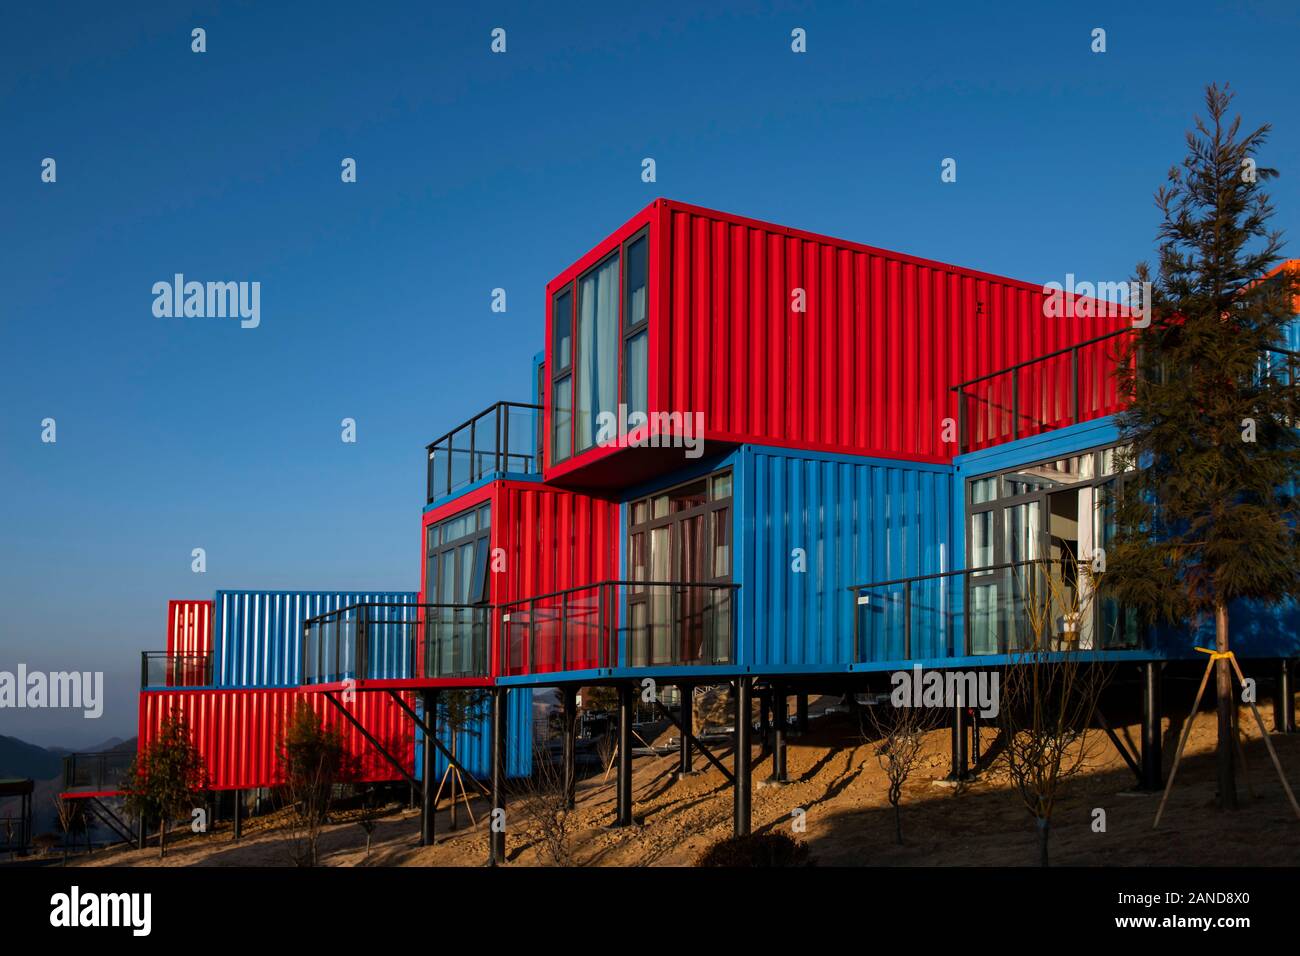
(597, 349)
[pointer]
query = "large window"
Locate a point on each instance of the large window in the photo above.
(681, 535)
(457, 558)
(1058, 513)
(597, 360)
(636, 324)
(456, 583)
(599, 347)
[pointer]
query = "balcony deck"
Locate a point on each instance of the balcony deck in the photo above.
(502, 440)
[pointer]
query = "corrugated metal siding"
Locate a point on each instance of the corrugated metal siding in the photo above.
(856, 522)
(474, 744)
(868, 367)
(258, 635)
(189, 628)
(551, 539)
(239, 731)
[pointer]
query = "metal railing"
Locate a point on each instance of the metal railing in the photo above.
(102, 772)
(504, 437)
(379, 641)
(619, 624)
(999, 609)
(160, 669)
(1027, 398)
(1003, 412)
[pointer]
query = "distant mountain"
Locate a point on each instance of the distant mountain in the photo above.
(114, 744)
(21, 759)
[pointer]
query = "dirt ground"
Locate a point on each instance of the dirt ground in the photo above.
(837, 781)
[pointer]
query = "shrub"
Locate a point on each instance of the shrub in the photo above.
(756, 849)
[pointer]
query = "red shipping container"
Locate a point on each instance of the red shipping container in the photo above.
(542, 540)
(783, 337)
(189, 638)
(238, 732)
(189, 628)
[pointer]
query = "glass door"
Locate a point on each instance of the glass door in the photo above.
(679, 543)
(456, 574)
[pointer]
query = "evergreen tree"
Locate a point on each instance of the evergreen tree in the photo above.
(166, 780)
(1207, 519)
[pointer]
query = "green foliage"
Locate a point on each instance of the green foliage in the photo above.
(313, 759)
(756, 849)
(166, 780)
(1208, 517)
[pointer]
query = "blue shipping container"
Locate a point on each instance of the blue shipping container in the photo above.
(810, 525)
(474, 743)
(257, 635)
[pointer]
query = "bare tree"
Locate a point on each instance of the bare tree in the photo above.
(71, 819)
(545, 805)
(1050, 688)
(313, 759)
(371, 808)
(899, 733)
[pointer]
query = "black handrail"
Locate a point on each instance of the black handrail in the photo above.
(949, 574)
(1039, 358)
(500, 455)
(96, 772)
(963, 443)
(701, 633)
(942, 614)
(352, 653)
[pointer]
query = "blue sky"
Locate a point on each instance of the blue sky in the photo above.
(476, 171)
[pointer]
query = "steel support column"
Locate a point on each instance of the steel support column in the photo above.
(688, 726)
(238, 816)
(1152, 774)
(497, 825)
(570, 695)
(1284, 699)
(624, 755)
(428, 807)
(959, 763)
(744, 726)
(779, 717)
(801, 713)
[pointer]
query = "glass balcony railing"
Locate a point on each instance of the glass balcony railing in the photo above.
(1049, 605)
(160, 669)
(396, 641)
(503, 438)
(620, 624)
(1064, 387)
(103, 772)
(1071, 385)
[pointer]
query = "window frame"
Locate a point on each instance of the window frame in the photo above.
(625, 333)
(630, 332)
(480, 535)
(708, 509)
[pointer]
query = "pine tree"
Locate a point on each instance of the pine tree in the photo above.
(1207, 519)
